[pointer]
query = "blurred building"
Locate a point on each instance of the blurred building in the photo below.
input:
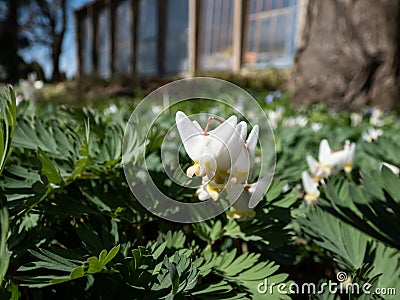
(158, 37)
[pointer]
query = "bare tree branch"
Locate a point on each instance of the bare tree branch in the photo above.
(46, 25)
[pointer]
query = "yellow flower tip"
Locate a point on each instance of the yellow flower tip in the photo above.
(237, 215)
(311, 198)
(324, 169)
(348, 167)
(193, 170)
(240, 215)
(251, 214)
(212, 192)
(316, 178)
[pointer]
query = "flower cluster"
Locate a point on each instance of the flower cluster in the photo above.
(276, 116)
(329, 162)
(29, 87)
(372, 134)
(224, 159)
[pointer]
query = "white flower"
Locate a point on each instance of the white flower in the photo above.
(275, 116)
(328, 161)
(243, 158)
(286, 188)
(371, 135)
(350, 150)
(38, 84)
(210, 189)
(204, 147)
(224, 159)
(395, 170)
(248, 193)
(356, 119)
(202, 193)
(316, 126)
(32, 77)
(376, 118)
(156, 109)
(27, 89)
(229, 154)
(289, 122)
(112, 109)
(310, 187)
(245, 161)
(299, 120)
(207, 190)
(19, 99)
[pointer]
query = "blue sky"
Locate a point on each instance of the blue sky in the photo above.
(68, 60)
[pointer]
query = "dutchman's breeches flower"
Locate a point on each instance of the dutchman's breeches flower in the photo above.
(246, 191)
(202, 146)
(224, 159)
(310, 187)
(330, 162)
(350, 150)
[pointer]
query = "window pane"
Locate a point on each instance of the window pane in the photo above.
(123, 38)
(216, 35)
(271, 33)
(104, 44)
(176, 48)
(147, 37)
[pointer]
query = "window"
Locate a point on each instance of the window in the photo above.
(123, 38)
(147, 38)
(104, 61)
(87, 45)
(176, 40)
(216, 35)
(271, 33)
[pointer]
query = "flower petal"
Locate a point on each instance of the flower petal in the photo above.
(190, 134)
(241, 168)
(395, 170)
(252, 143)
(312, 164)
(208, 166)
(310, 186)
(222, 134)
(258, 190)
(230, 153)
(324, 151)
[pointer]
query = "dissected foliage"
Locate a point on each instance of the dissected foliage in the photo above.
(71, 228)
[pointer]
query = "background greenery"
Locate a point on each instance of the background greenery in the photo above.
(71, 228)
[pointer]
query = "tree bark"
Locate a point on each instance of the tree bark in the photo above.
(11, 55)
(57, 40)
(348, 55)
(55, 15)
(55, 57)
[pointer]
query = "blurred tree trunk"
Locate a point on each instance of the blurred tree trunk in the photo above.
(11, 38)
(56, 49)
(348, 54)
(52, 17)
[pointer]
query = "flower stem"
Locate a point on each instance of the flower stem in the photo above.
(208, 123)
